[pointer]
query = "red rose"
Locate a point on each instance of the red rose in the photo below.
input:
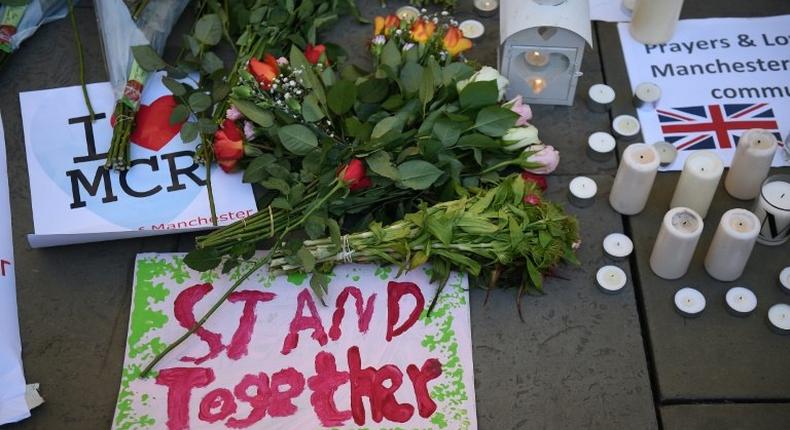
(532, 199)
(353, 174)
(264, 71)
(228, 145)
(314, 53)
(539, 180)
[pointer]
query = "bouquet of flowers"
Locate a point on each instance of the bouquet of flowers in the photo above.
(19, 19)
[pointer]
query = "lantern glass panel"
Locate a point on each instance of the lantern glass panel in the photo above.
(541, 72)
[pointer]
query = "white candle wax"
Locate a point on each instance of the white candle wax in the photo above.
(773, 210)
(610, 279)
(626, 127)
(740, 301)
(698, 182)
(634, 180)
(654, 21)
(689, 302)
(600, 97)
(675, 244)
(751, 164)
(581, 191)
(732, 245)
(646, 95)
(486, 8)
(667, 153)
(779, 318)
(784, 280)
(407, 13)
(617, 246)
(472, 28)
(600, 146)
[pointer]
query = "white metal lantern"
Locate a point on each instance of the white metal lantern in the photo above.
(542, 44)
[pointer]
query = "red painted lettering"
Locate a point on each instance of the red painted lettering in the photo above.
(220, 398)
(179, 382)
(301, 322)
(258, 401)
(184, 312)
(241, 338)
(281, 403)
(370, 383)
(396, 291)
(324, 385)
(430, 370)
(3, 263)
(364, 313)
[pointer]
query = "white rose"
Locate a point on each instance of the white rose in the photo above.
(520, 137)
(486, 74)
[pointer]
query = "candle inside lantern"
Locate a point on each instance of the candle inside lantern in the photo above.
(773, 210)
(472, 28)
(634, 180)
(646, 95)
(740, 301)
(689, 302)
(537, 84)
(784, 280)
(626, 127)
(600, 97)
(600, 146)
(617, 246)
(779, 318)
(536, 58)
(675, 244)
(667, 153)
(751, 163)
(407, 13)
(486, 8)
(698, 182)
(732, 245)
(581, 191)
(610, 279)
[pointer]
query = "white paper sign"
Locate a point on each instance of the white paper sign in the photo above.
(13, 406)
(718, 77)
(76, 200)
(274, 357)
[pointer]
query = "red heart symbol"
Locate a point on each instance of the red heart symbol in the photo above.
(153, 129)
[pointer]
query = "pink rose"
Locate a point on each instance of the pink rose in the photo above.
(523, 110)
(249, 130)
(548, 157)
(282, 61)
(233, 114)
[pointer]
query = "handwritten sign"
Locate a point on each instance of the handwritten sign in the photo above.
(719, 77)
(275, 357)
(13, 406)
(75, 199)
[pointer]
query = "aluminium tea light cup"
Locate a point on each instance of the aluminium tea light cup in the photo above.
(610, 279)
(617, 246)
(407, 13)
(667, 153)
(486, 8)
(472, 28)
(646, 96)
(626, 127)
(581, 191)
(600, 146)
(600, 97)
(784, 280)
(689, 302)
(741, 302)
(779, 318)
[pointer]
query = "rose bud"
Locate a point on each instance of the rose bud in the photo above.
(354, 175)
(264, 71)
(538, 180)
(532, 199)
(314, 53)
(548, 157)
(455, 42)
(422, 30)
(228, 145)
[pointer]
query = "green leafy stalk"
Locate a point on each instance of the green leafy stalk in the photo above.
(81, 58)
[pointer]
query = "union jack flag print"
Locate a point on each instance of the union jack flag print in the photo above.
(714, 126)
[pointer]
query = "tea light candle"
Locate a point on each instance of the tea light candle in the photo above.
(408, 13)
(741, 301)
(617, 246)
(486, 8)
(581, 191)
(600, 97)
(689, 302)
(634, 180)
(600, 146)
(675, 244)
(667, 153)
(773, 210)
(784, 280)
(698, 182)
(472, 29)
(779, 318)
(751, 164)
(646, 95)
(626, 127)
(732, 245)
(610, 279)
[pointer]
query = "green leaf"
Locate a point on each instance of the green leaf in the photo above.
(373, 90)
(207, 126)
(189, 132)
(202, 260)
(180, 114)
(256, 170)
(312, 81)
(276, 184)
(410, 77)
(379, 162)
(255, 114)
(386, 125)
(479, 94)
(447, 131)
(199, 101)
(208, 29)
(147, 58)
(298, 139)
(426, 86)
(281, 203)
(306, 259)
(311, 111)
(418, 174)
(177, 88)
(342, 96)
(477, 140)
(211, 63)
(455, 72)
(390, 55)
(495, 121)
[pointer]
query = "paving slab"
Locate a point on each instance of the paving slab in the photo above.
(765, 416)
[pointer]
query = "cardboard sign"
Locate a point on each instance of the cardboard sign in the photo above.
(719, 77)
(75, 199)
(275, 357)
(13, 406)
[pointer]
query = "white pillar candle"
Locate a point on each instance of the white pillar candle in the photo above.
(689, 302)
(581, 191)
(667, 153)
(675, 244)
(600, 146)
(773, 210)
(486, 8)
(784, 280)
(626, 127)
(472, 28)
(617, 246)
(698, 182)
(654, 21)
(600, 97)
(741, 301)
(407, 13)
(646, 95)
(634, 180)
(732, 245)
(751, 164)
(610, 279)
(779, 318)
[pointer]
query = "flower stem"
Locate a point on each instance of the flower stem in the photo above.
(81, 57)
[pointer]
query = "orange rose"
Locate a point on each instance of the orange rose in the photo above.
(264, 71)
(384, 25)
(228, 145)
(455, 42)
(422, 30)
